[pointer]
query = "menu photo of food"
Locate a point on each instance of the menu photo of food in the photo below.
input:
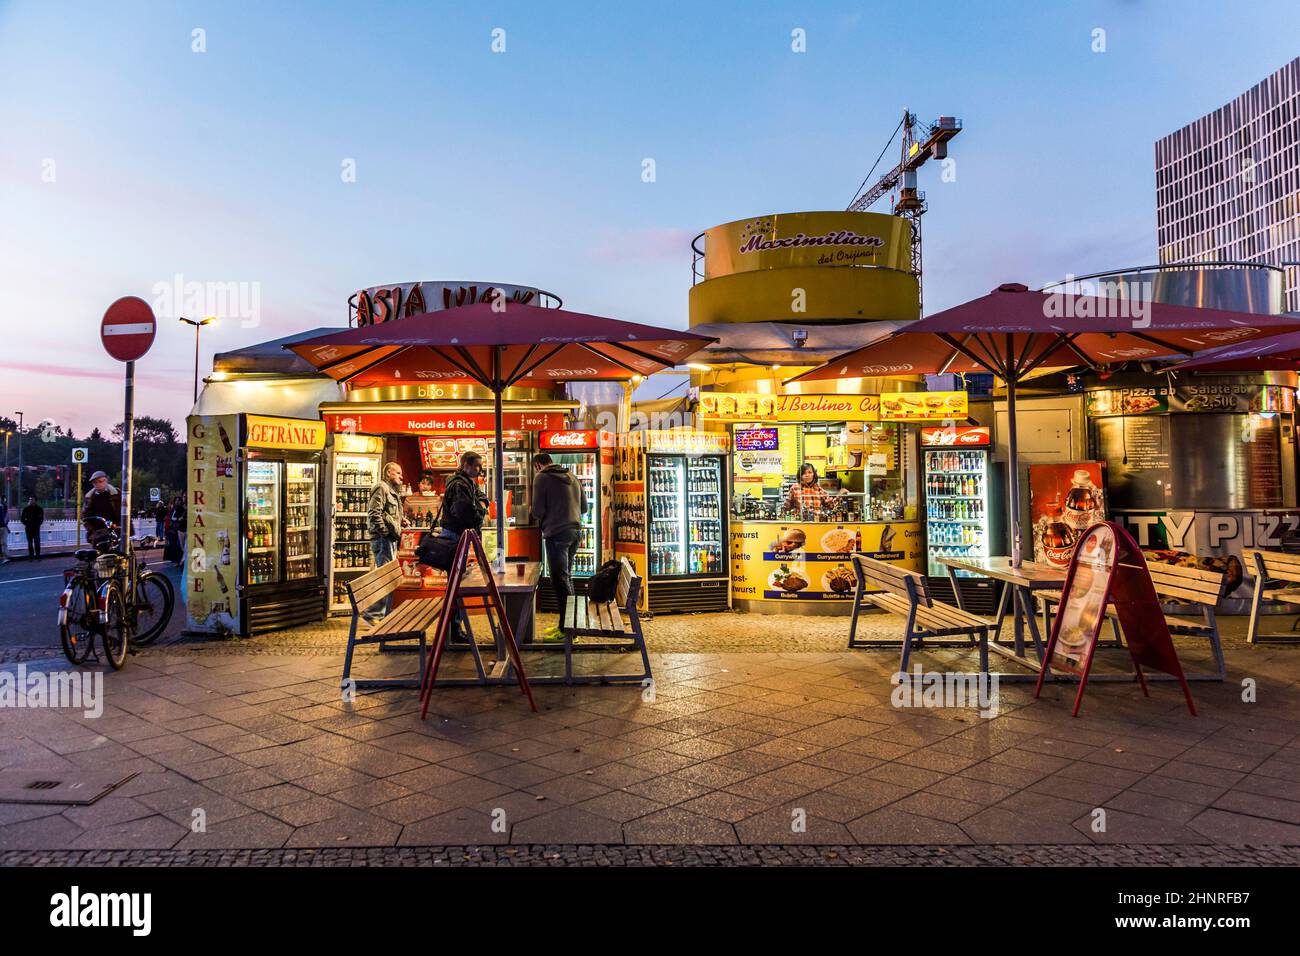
(839, 541)
(1083, 606)
(839, 580)
(789, 577)
(790, 541)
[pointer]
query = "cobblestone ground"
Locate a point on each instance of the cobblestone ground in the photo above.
(670, 855)
(765, 742)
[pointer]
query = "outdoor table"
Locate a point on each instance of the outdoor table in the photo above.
(1021, 583)
(518, 594)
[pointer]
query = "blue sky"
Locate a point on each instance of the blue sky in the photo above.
(525, 166)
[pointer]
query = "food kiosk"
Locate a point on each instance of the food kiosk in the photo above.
(788, 558)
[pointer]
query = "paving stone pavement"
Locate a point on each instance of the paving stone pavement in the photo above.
(675, 855)
(750, 757)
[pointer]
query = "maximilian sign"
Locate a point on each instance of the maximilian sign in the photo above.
(802, 239)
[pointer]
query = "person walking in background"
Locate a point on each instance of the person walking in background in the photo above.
(384, 522)
(159, 519)
(101, 501)
(33, 517)
(4, 532)
(558, 506)
(172, 528)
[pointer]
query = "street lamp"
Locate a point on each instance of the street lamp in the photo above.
(20, 455)
(198, 324)
(7, 434)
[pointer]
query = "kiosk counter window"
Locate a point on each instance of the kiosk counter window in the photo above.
(791, 545)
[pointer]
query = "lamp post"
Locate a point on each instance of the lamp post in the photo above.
(8, 433)
(20, 456)
(198, 324)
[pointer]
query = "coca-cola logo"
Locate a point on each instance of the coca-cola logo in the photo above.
(886, 369)
(429, 373)
(569, 372)
(567, 440)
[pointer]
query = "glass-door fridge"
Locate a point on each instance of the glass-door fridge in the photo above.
(281, 578)
(963, 508)
(355, 474)
(686, 554)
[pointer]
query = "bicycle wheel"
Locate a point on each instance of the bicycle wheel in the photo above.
(117, 629)
(77, 622)
(155, 599)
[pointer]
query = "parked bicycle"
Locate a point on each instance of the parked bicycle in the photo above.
(107, 595)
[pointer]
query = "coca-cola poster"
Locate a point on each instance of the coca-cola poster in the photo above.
(1065, 499)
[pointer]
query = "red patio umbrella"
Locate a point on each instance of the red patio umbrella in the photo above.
(1277, 353)
(1012, 331)
(497, 345)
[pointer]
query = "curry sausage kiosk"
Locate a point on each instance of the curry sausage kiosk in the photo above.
(815, 478)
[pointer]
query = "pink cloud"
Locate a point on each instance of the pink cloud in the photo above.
(643, 245)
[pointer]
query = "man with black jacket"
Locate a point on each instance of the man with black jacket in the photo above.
(32, 517)
(463, 505)
(558, 505)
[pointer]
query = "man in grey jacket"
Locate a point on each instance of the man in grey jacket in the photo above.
(384, 522)
(558, 506)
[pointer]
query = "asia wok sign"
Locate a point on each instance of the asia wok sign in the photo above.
(390, 422)
(380, 304)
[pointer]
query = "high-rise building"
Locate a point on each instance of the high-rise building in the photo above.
(1228, 184)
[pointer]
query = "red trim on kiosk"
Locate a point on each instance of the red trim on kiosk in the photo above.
(386, 422)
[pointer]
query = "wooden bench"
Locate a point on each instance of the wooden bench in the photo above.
(1277, 578)
(1178, 583)
(907, 594)
(409, 621)
(615, 626)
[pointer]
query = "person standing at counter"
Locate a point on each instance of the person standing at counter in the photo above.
(807, 496)
(463, 505)
(384, 522)
(558, 505)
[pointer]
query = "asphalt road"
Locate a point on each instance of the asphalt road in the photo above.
(29, 600)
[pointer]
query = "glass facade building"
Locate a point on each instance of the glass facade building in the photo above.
(1228, 184)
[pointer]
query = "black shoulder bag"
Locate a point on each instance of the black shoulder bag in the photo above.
(437, 549)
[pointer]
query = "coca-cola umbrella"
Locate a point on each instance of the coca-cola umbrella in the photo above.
(1013, 332)
(498, 345)
(1277, 353)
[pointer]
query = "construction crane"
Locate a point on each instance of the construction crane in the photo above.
(919, 143)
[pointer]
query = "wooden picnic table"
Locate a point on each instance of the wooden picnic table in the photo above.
(1021, 583)
(518, 594)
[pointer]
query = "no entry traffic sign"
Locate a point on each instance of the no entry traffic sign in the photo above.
(128, 328)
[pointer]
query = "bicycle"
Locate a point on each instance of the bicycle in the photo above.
(119, 600)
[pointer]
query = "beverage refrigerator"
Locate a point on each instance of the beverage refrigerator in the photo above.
(282, 583)
(355, 473)
(590, 460)
(686, 532)
(964, 510)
